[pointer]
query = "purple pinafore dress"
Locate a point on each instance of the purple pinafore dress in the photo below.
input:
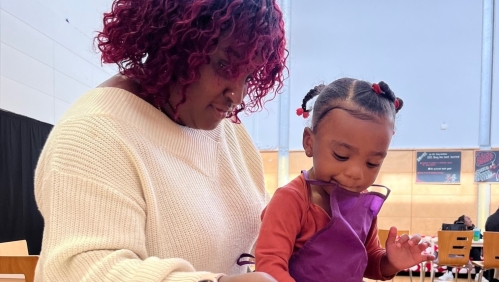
(337, 252)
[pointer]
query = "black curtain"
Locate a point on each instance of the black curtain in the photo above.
(21, 142)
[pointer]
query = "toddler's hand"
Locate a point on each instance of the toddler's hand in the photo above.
(404, 252)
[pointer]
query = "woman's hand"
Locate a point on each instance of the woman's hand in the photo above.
(248, 277)
(403, 252)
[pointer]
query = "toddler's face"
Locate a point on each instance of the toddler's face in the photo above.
(349, 150)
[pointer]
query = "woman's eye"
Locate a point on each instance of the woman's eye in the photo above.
(222, 65)
(224, 69)
(340, 158)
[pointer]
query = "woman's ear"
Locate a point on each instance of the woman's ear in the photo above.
(308, 142)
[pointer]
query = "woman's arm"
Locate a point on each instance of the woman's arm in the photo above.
(90, 195)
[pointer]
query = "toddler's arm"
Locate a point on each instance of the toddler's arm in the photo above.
(375, 255)
(280, 226)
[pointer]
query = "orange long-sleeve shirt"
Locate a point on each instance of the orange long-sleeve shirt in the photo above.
(289, 221)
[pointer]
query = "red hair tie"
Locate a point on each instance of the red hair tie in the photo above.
(397, 104)
(301, 112)
(376, 88)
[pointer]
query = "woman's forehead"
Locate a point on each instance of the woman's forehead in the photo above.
(237, 51)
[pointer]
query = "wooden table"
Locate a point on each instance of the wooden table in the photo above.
(12, 278)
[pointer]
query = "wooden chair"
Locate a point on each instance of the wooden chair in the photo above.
(454, 251)
(383, 235)
(14, 248)
(490, 253)
(14, 259)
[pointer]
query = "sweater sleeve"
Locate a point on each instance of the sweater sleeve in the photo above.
(374, 255)
(92, 202)
(280, 226)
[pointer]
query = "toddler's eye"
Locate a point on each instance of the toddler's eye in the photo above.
(371, 165)
(340, 158)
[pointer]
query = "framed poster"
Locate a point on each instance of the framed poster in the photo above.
(486, 166)
(438, 167)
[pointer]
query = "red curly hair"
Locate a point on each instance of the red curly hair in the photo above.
(162, 42)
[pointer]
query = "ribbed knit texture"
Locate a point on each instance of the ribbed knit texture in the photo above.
(129, 195)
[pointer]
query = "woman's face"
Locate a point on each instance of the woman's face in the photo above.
(211, 98)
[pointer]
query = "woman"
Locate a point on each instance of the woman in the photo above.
(150, 176)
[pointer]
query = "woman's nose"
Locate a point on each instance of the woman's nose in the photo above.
(236, 90)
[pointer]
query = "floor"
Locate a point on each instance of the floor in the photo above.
(415, 278)
(396, 279)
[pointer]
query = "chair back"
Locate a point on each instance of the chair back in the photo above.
(490, 249)
(19, 265)
(454, 247)
(383, 235)
(14, 248)
(15, 259)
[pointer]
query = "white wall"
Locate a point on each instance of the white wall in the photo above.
(495, 88)
(46, 62)
(428, 51)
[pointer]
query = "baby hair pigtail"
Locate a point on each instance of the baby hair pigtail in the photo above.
(398, 104)
(377, 89)
(303, 111)
(382, 89)
(387, 92)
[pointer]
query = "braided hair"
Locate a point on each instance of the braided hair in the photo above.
(372, 99)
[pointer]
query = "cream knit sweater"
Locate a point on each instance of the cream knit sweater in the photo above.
(129, 195)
